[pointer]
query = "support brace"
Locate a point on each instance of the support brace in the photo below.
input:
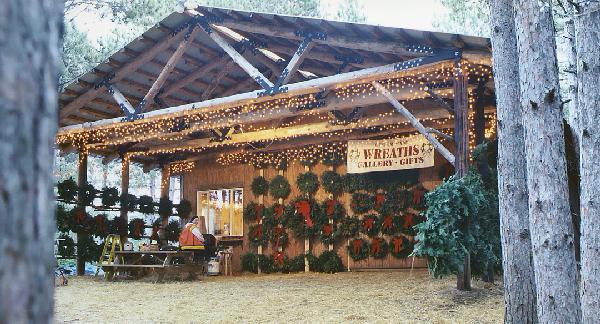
(296, 60)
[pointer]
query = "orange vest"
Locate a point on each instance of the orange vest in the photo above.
(187, 238)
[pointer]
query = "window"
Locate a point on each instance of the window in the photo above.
(222, 211)
(175, 189)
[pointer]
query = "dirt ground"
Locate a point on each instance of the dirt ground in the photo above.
(405, 296)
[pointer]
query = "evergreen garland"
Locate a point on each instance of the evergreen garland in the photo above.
(165, 207)
(332, 182)
(67, 190)
(136, 228)
(362, 202)
(184, 209)
(358, 249)
(109, 196)
(86, 194)
(279, 187)
(146, 205)
(307, 183)
(378, 248)
(260, 186)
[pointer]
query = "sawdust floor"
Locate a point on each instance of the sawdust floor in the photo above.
(344, 297)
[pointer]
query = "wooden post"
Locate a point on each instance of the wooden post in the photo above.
(124, 184)
(331, 196)
(461, 165)
(81, 180)
(306, 240)
(261, 200)
(165, 183)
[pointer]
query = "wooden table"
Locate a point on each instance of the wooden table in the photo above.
(159, 261)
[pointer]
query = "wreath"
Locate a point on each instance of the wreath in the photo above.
(397, 199)
(87, 194)
(333, 209)
(257, 235)
(128, 201)
(358, 249)
(329, 233)
(137, 228)
(109, 196)
(260, 186)
(350, 227)
(380, 201)
(401, 247)
(307, 182)
(332, 182)
(101, 225)
(87, 248)
(165, 207)
(378, 248)
(279, 187)
(66, 246)
(156, 225)
(418, 197)
(184, 209)
(409, 220)
(362, 202)
(172, 231)
(82, 221)
(279, 236)
(64, 220)
(254, 212)
(67, 189)
(388, 225)
(279, 215)
(355, 182)
(118, 226)
(146, 205)
(280, 164)
(303, 217)
(260, 164)
(370, 225)
(332, 158)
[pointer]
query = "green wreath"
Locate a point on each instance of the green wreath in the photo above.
(388, 224)
(109, 196)
(397, 199)
(401, 247)
(329, 233)
(307, 183)
(260, 186)
(378, 248)
(101, 225)
(332, 182)
(165, 207)
(350, 227)
(128, 201)
(67, 190)
(332, 158)
(256, 235)
(172, 231)
(298, 214)
(355, 182)
(362, 202)
(81, 220)
(333, 209)
(64, 220)
(358, 249)
(254, 212)
(146, 205)
(137, 228)
(66, 246)
(87, 194)
(370, 225)
(280, 164)
(409, 221)
(279, 233)
(279, 187)
(87, 248)
(279, 215)
(118, 226)
(184, 209)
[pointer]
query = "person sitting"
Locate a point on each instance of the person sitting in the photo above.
(190, 237)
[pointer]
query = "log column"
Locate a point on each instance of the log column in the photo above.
(124, 184)
(461, 164)
(81, 180)
(165, 183)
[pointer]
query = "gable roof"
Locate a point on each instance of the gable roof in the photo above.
(267, 42)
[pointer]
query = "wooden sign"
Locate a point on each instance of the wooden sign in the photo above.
(413, 152)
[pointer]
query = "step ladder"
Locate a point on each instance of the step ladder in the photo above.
(107, 257)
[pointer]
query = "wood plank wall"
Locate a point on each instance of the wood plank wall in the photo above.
(211, 175)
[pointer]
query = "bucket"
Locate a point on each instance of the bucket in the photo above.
(213, 267)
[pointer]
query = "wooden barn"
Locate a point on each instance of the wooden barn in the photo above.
(222, 97)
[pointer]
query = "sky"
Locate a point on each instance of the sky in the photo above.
(414, 14)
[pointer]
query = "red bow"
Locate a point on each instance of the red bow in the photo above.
(368, 223)
(137, 228)
(303, 208)
(327, 229)
(100, 224)
(387, 222)
(408, 220)
(257, 233)
(357, 246)
(259, 212)
(330, 207)
(376, 246)
(154, 235)
(278, 211)
(79, 216)
(418, 195)
(398, 244)
(379, 199)
(278, 256)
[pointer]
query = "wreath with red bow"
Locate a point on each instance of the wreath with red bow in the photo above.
(397, 199)
(401, 247)
(100, 225)
(387, 224)
(254, 212)
(370, 225)
(279, 236)
(257, 235)
(379, 201)
(407, 223)
(358, 249)
(350, 227)
(136, 228)
(278, 213)
(418, 197)
(303, 215)
(118, 226)
(329, 233)
(362, 202)
(82, 221)
(333, 209)
(378, 248)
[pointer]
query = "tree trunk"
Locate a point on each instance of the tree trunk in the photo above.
(30, 32)
(549, 212)
(519, 281)
(82, 168)
(587, 31)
